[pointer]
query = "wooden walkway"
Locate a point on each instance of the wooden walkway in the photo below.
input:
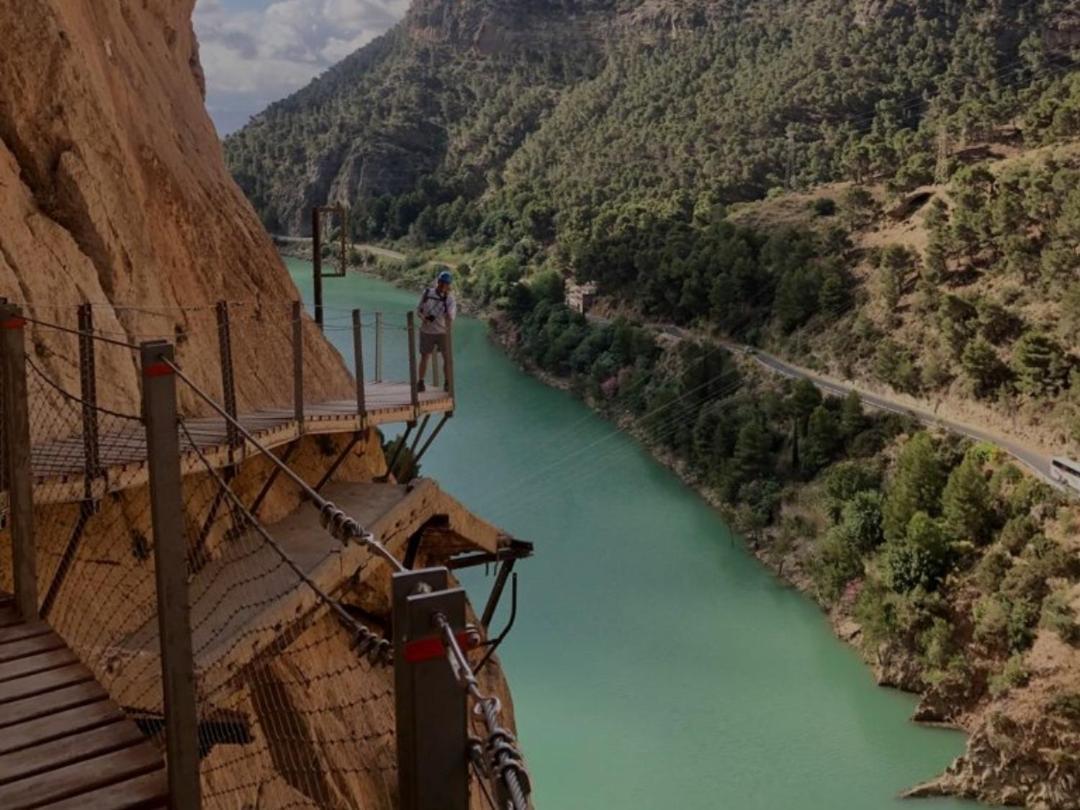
(233, 623)
(59, 465)
(63, 744)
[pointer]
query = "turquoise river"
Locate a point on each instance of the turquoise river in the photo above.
(654, 663)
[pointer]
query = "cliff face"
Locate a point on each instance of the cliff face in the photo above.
(113, 190)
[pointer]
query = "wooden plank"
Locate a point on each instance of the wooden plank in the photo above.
(147, 791)
(80, 777)
(19, 711)
(61, 724)
(30, 646)
(67, 750)
(36, 663)
(41, 682)
(25, 630)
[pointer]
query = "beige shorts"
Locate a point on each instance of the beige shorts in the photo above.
(430, 342)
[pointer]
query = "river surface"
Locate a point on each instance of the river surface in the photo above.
(654, 663)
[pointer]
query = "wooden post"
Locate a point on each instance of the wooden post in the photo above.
(228, 380)
(17, 473)
(171, 570)
(431, 714)
(410, 321)
(358, 350)
(378, 347)
(88, 387)
(316, 261)
(298, 364)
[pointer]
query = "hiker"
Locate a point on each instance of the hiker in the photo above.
(437, 311)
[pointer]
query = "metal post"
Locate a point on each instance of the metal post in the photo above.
(450, 357)
(431, 707)
(410, 320)
(343, 226)
(88, 380)
(228, 381)
(358, 350)
(298, 364)
(378, 347)
(17, 471)
(316, 261)
(171, 570)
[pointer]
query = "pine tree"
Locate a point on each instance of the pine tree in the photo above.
(916, 485)
(1039, 364)
(966, 503)
(852, 418)
(753, 452)
(983, 367)
(822, 440)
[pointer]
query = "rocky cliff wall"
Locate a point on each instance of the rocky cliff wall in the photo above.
(113, 190)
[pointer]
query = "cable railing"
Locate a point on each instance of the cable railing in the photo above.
(136, 533)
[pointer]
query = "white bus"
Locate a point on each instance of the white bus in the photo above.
(1067, 472)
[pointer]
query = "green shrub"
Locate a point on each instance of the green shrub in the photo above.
(845, 480)
(825, 207)
(936, 644)
(836, 563)
(1058, 616)
(992, 569)
(1016, 533)
(991, 618)
(1014, 674)
(921, 559)
(1066, 705)
(861, 520)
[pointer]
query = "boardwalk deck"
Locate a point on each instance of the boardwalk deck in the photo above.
(233, 622)
(63, 742)
(59, 465)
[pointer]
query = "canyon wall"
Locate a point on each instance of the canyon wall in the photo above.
(113, 191)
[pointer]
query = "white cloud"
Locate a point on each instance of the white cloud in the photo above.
(254, 56)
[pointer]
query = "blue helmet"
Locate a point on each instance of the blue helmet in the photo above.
(445, 277)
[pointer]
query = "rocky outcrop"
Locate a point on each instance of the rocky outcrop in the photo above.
(113, 190)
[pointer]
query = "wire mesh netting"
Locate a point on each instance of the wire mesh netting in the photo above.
(294, 688)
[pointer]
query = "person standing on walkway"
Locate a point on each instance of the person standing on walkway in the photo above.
(437, 311)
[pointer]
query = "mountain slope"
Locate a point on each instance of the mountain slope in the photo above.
(578, 105)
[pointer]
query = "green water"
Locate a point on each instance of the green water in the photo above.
(654, 663)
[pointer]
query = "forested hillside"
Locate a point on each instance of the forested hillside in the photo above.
(533, 119)
(616, 141)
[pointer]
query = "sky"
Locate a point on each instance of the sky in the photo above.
(258, 51)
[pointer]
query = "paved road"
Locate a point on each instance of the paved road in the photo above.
(373, 249)
(1037, 462)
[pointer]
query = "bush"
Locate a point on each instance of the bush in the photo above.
(992, 569)
(861, 521)
(825, 207)
(1066, 705)
(991, 618)
(1014, 674)
(936, 644)
(845, 480)
(1016, 533)
(1058, 616)
(920, 559)
(837, 563)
